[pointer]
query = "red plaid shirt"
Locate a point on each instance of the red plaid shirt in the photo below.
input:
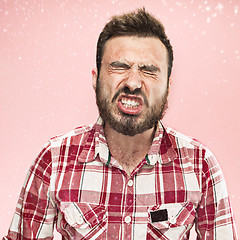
(76, 185)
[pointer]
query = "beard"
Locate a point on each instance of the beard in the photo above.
(125, 123)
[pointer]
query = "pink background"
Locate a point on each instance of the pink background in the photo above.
(47, 51)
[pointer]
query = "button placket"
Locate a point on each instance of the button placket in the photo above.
(128, 208)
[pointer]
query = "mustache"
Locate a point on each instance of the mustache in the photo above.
(127, 91)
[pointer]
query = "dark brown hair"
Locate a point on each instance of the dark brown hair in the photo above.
(137, 23)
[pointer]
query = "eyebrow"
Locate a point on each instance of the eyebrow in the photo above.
(119, 64)
(149, 68)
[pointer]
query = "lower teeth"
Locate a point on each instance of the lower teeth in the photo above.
(129, 106)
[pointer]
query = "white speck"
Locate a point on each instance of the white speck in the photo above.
(42, 10)
(64, 24)
(232, 24)
(6, 13)
(4, 30)
(199, 7)
(214, 15)
(222, 51)
(181, 100)
(171, 10)
(236, 10)
(203, 33)
(208, 20)
(238, 57)
(236, 51)
(207, 8)
(20, 58)
(206, 93)
(219, 7)
(179, 4)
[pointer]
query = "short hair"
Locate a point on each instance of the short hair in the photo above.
(137, 23)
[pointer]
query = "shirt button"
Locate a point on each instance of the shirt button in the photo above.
(80, 220)
(130, 183)
(172, 220)
(127, 219)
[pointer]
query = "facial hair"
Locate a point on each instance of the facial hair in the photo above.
(125, 123)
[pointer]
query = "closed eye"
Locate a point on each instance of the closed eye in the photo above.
(149, 70)
(119, 66)
(149, 73)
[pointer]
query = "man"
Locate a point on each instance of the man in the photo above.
(127, 176)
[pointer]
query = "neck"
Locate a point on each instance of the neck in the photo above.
(128, 150)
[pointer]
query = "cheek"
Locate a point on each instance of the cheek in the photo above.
(157, 93)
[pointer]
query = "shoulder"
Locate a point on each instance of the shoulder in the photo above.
(185, 140)
(191, 145)
(72, 136)
(191, 149)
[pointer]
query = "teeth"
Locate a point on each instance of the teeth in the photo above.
(129, 103)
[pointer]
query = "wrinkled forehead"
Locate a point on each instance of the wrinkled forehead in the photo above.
(132, 49)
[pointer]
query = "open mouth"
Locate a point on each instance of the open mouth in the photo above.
(130, 104)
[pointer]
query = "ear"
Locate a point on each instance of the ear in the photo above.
(170, 82)
(94, 78)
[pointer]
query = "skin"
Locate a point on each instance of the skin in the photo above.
(136, 64)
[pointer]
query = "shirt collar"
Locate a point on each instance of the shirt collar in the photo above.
(101, 146)
(162, 150)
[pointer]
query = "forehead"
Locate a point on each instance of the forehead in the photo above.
(141, 50)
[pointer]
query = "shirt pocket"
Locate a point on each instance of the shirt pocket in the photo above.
(177, 219)
(80, 220)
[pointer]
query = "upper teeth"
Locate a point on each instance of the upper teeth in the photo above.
(129, 103)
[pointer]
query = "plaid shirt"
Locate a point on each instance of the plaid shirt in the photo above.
(78, 186)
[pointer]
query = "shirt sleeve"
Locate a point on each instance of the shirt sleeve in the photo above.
(35, 213)
(214, 215)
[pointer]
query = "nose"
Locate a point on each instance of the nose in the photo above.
(133, 81)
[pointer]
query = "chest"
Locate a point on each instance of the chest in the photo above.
(106, 185)
(95, 196)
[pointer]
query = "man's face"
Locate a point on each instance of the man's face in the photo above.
(132, 86)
